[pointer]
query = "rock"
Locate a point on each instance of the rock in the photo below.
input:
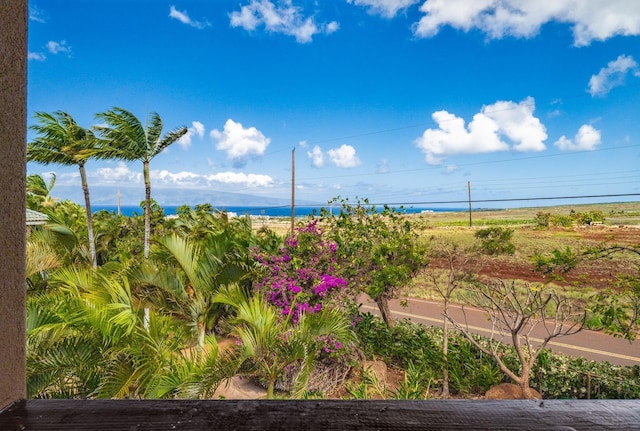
(509, 391)
(378, 370)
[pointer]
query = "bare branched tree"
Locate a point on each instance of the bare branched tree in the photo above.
(460, 265)
(527, 316)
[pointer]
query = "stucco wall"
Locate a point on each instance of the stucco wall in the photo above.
(13, 81)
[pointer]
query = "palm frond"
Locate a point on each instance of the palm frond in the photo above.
(185, 254)
(124, 137)
(168, 139)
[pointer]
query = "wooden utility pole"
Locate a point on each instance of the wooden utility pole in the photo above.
(118, 202)
(470, 212)
(293, 189)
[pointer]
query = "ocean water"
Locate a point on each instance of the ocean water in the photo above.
(268, 211)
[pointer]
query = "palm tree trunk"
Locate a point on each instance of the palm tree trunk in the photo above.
(147, 208)
(271, 388)
(87, 205)
(201, 335)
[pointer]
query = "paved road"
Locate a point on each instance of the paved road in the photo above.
(589, 344)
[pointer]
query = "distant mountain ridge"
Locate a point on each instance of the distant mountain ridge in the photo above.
(102, 195)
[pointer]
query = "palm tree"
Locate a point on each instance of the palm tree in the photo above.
(39, 192)
(88, 338)
(183, 277)
(127, 139)
(61, 140)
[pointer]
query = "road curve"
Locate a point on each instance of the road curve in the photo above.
(592, 345)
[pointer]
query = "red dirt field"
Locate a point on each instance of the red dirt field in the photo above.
(598, 273)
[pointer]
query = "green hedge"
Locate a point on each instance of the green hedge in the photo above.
(472, 372)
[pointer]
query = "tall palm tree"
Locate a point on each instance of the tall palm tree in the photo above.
(128, 139)
(61, 140)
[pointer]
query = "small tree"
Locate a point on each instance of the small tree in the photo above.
(458, 273)
(378, 251)
(515, 312)
(618, 307)
(543, 219)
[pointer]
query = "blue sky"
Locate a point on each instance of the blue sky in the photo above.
(398, 101)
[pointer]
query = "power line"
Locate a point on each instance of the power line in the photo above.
(514, 199)
(487, 162)
(431, 122)
(407, 204)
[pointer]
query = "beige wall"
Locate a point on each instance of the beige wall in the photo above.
(13, 82)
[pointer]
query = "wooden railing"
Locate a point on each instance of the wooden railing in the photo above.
(70, 415)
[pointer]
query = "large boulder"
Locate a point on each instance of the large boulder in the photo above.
(509, 391)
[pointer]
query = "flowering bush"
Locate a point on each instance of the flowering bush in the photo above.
(302, 278)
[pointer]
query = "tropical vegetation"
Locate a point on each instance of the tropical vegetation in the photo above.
(155, 307)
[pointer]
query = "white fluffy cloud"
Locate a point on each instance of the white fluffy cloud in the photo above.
(591, 19)
(484, 133)
(122, 174)
(184, 18)
(386, 8)
(119, 174)
(516, 122)
(587, 139)
(332, 27)
(196, 129)
(613, 75)
(239, 178)
(344, 157)
(240, 143)
(36, 14)
(58, 47)
(283, 18)
(180, 179)
(38, 56)
(317, 156)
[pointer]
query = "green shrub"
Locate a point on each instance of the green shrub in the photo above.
(543, 220)
(561, 376)
(470, 370)
(417, 350)
(495, 240)
(590, 217)
(563, 220)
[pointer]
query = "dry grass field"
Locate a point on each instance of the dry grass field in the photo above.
(621, 227)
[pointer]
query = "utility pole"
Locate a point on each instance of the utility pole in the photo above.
(293, 188)
(470, 212)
